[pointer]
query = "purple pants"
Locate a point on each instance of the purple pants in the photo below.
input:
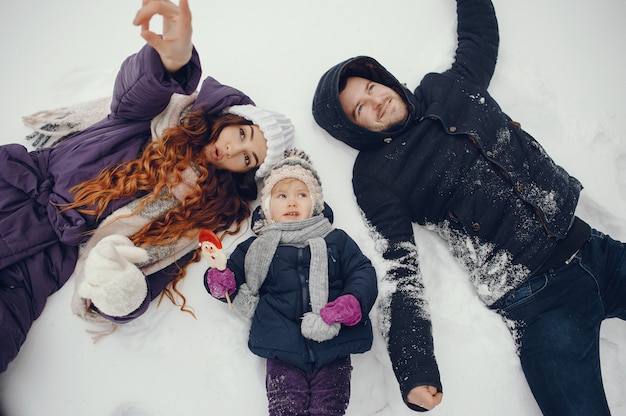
(293, 392)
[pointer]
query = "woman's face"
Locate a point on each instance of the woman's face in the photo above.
(238, 148)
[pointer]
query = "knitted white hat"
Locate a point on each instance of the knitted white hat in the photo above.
(277, 129)
(297, 165)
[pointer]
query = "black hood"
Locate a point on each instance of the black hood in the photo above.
(329, 114)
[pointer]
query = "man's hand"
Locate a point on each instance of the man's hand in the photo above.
(174, 46)
(426, 397)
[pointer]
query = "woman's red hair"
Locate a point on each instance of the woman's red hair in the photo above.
(219, 203)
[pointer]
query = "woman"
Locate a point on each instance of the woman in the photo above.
(124, 198)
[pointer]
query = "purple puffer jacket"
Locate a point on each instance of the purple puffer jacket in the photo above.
(38, 244)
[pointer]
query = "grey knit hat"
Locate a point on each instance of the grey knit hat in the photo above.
(277, 129)
(296, 164)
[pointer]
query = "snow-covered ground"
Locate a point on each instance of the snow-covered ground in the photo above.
(560, 74)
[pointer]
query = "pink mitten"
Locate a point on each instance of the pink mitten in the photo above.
(218, 282)
(346, 309)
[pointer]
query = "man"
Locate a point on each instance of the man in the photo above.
(448, 158)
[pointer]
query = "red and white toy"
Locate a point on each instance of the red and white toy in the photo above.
(219, 280)
(211, 247)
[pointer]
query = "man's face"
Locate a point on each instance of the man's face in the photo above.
(372, 105)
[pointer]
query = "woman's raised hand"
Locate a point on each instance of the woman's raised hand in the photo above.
(174, 45)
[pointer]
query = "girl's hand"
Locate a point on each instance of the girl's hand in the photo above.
(220, 283)
(174, 46)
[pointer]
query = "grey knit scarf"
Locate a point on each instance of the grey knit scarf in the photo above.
(309, 232)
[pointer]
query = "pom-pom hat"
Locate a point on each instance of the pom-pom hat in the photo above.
(296, 164)
(277, 129)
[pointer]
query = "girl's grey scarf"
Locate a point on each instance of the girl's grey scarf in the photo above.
(309, 232)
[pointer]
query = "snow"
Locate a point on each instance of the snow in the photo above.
(560, 73)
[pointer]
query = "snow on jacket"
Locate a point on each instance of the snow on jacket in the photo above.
(38, 244)
(461, 167)
(284, 298)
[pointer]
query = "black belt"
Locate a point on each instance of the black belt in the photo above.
(566, 248)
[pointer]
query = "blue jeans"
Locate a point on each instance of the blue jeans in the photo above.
(555, 318)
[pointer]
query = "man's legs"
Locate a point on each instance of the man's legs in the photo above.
(557, 317)
(559, 353)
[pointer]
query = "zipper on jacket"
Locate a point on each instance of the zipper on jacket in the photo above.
(304, 290)
(507, 176)
(545, 226)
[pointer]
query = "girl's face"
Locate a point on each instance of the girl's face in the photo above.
(237, 148)
(290, 201)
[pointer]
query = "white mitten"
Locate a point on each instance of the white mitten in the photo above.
(112, 282)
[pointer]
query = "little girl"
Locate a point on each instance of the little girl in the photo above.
(308, 288)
